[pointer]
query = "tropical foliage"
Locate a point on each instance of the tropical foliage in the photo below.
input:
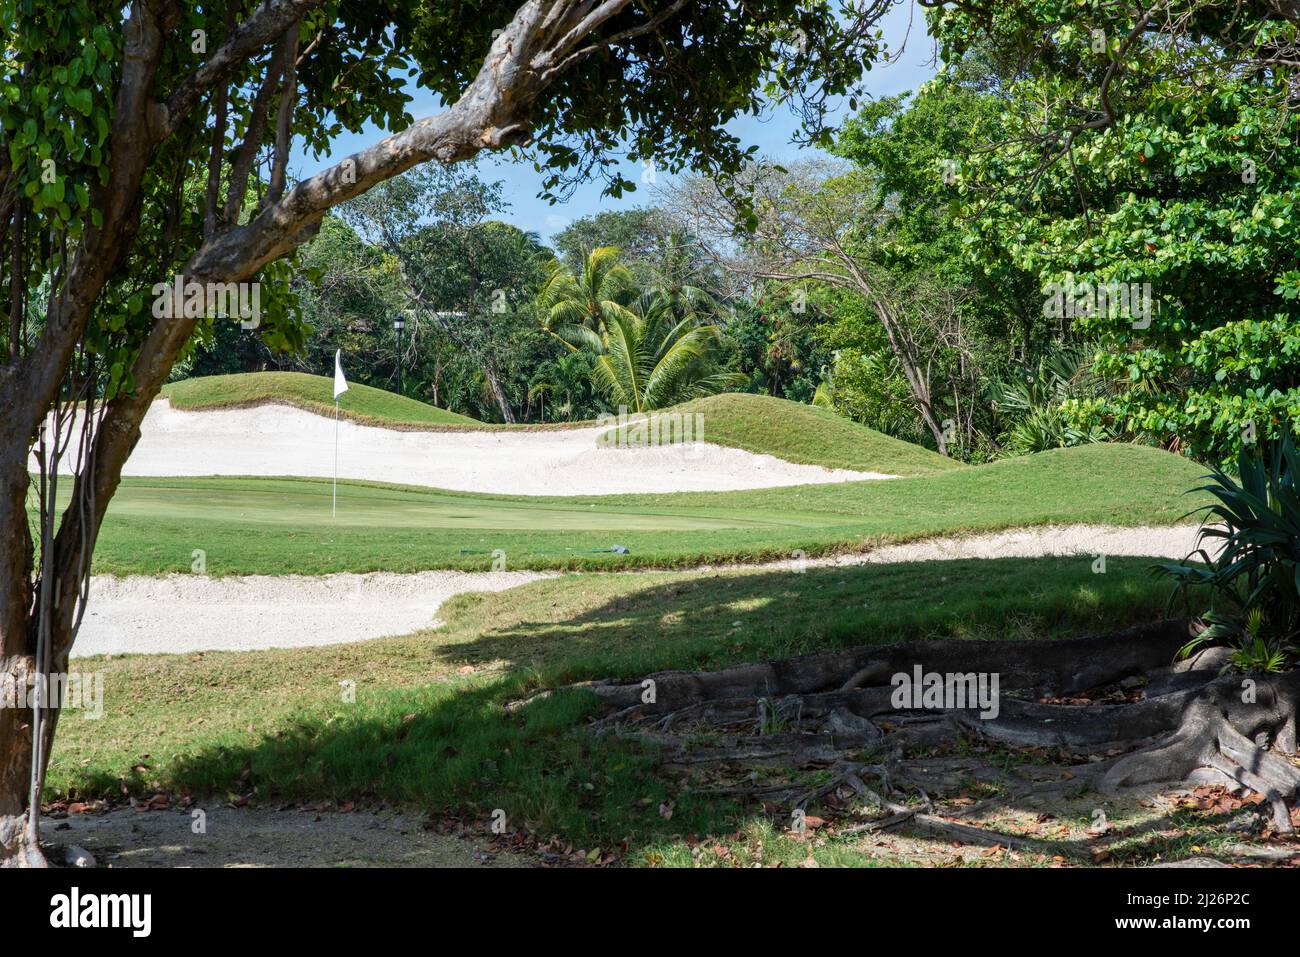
(652, 356)
(1249, 559)
(651, 349)
(1128, 154)
(1032, 402)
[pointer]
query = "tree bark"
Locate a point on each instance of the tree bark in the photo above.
(498, 393)
(538, 44)
(17, 660)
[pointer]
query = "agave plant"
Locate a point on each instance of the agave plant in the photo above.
(1254, 579)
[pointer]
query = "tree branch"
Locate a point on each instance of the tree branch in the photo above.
(269, 21)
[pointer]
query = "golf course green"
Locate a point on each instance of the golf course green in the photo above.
(283, 525)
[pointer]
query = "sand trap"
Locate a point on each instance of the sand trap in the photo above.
(1176, 541)
(183, 613)
(283, 440)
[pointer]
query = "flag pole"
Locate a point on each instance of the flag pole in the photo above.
(340, 386)
(334, 508)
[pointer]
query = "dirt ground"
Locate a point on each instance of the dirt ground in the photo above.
(263, 837)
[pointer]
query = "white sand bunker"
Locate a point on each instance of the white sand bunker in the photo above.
(283, 440)
(1154, 541)
(183, 613)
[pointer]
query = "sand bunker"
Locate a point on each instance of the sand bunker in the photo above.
(283, 440)
(183, 613)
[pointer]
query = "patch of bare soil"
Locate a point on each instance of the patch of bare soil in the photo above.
(265, 837)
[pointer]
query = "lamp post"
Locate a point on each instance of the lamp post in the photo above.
(398, 325)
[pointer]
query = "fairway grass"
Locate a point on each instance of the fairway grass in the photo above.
(283, 526)
(429, 728)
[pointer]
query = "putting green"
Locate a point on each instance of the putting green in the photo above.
(283, 526)
(291, 502)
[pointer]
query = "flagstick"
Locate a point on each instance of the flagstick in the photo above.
(334, 509)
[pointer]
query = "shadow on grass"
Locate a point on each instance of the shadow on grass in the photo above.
(710, 620)
(452, 744)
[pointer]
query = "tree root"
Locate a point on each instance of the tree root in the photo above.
(1245, 743)
(837, 711)
(1038, 668)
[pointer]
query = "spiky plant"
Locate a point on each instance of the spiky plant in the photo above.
(1254, 579)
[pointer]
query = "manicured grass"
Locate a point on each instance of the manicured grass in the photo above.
(283, 526)
(428, 727)
(315, 393)
(806, 434)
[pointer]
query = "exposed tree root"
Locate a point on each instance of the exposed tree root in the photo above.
(836, 713)
(1039, 668)
(1247, 743)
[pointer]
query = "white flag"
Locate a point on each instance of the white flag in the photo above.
(340, 383)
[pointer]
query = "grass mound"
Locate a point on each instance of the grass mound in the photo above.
(314, 393)
(756, 423)
(809, 436)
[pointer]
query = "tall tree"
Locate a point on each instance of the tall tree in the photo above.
(581, 305)
(463, 275)
(650, 245)
(1144, 171)
(818, 223)
(107, 112)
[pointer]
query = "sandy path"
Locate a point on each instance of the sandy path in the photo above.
(1155, 541)
(182, 613)
(282, 440)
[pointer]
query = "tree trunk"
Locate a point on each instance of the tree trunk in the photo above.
(498, 393)
(918, 383)
(17, 654)
(904, 351)
(492, 113)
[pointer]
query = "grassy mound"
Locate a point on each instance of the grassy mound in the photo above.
(314, 393)
(756, 423)
(809, 436)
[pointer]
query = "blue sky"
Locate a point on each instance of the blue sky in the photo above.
(771, 133)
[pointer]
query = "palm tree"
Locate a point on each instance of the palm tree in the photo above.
(567, 381)
(577, 309)
(650, 357)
